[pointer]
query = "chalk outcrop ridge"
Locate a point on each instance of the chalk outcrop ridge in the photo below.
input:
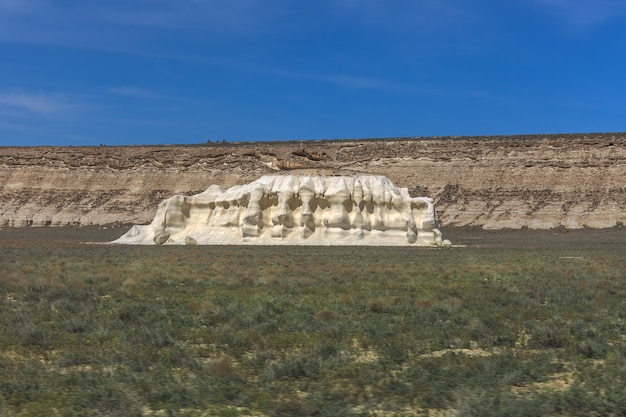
(295, 210)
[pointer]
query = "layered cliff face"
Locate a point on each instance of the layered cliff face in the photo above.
(539, 182)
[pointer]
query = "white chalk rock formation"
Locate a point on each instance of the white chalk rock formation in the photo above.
(294, 210)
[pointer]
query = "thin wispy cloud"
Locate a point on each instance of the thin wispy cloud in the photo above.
(17, 127)
(99, 24)
(346, 81)
(35, 103)
(19, 7)
(145, 94)
(82, 23)
(234, 15)
(34, 114)
(149, 122)
(341, 80)
(406, 15)
(114, 23)
(361, 82)
(584, 13)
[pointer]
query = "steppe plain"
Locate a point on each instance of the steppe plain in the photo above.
(525, 318)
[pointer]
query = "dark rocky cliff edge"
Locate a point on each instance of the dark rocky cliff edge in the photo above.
(537, 182)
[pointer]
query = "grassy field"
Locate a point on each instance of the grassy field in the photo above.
(522, 323)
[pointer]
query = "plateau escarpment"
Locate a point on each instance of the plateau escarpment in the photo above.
(539, 182)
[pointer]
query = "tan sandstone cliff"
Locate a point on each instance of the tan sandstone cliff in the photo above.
(543, 182)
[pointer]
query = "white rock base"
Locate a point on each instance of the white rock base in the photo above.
(295, 210)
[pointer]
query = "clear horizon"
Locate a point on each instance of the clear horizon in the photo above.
(188, 71)
(399, 138)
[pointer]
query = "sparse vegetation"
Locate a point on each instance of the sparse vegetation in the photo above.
(516, 324)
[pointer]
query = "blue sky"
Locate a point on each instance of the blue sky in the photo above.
(87, 72)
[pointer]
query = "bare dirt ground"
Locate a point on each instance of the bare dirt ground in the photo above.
(535, 182)
(472, 237)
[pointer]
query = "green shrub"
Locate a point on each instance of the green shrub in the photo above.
(110, 330)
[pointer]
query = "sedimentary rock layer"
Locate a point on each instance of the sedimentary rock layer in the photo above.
(572, 181)
(295, 210)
